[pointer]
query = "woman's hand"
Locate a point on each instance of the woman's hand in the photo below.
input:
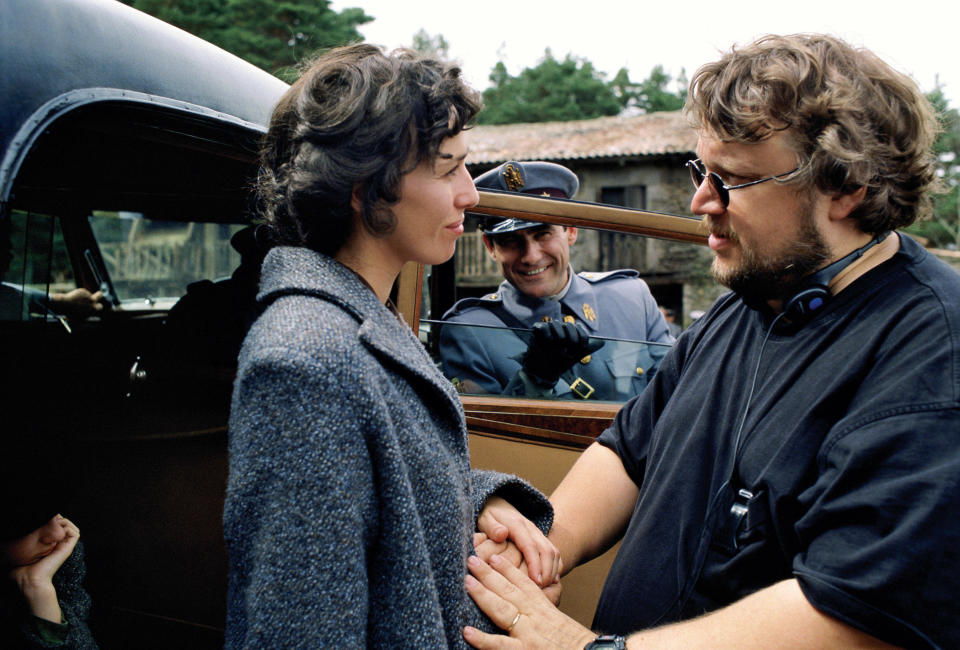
(35, 580)
(500, 522)
(517, 605)
(508, 551)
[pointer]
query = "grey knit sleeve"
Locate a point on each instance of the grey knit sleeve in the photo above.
(520, 494)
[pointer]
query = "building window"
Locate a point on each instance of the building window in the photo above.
(628, 196)
(615, 251)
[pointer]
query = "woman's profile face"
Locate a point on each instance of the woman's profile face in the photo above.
(433, 198)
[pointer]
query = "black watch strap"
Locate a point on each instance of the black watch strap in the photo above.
(607, 641)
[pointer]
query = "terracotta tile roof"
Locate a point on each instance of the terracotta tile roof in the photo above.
(603, 137)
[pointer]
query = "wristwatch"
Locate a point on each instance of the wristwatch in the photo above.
(607, 642)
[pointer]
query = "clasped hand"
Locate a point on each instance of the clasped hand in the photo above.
(504, 530)
(35, 580)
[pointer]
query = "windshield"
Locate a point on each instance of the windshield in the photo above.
(149, 263)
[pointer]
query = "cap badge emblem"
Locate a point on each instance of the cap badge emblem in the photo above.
(513, 177)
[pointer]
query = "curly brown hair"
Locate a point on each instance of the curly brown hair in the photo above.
(357, 117)
(855, 121)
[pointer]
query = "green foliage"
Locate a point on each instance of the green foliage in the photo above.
(436, 46)
(652, 94)
(554, 90)
(573, 89)
(271, 34)
(943, 230)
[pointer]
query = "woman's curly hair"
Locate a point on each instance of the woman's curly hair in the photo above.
(357, 120)
(854, 120)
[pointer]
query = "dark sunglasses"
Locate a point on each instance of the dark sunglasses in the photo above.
(698, 173)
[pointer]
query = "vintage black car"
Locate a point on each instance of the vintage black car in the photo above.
(127, 154)
(127, 148)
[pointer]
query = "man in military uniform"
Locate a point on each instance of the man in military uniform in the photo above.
(561, 323)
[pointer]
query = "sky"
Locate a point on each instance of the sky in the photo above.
(918, 37)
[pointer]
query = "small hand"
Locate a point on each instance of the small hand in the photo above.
(500, 521)
(35, 580)
(508, 551)
(515, 604)
(485, 547)
(554, 348)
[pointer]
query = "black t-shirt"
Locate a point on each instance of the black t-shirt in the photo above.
(849, 458)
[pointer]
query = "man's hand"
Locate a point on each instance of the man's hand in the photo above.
(78, 302)
(500, 522)
(554, 348)
(764, 619)
(517, 605)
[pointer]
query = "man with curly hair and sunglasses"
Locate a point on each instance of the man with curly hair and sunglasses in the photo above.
(791, 477)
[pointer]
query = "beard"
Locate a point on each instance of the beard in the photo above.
(760, 278)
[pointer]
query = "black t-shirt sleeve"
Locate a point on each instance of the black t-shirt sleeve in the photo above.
(622, 438)
(882, 525)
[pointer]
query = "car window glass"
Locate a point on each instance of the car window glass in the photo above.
(35, 268)
(486, 360)
(471, 289)
(150, 262)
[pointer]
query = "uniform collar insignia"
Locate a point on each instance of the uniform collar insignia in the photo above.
(581, 301)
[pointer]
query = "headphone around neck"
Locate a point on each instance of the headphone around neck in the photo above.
(814, 294)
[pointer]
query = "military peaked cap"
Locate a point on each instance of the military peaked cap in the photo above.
(532, 177)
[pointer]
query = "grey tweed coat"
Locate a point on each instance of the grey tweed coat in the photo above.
(350, 500)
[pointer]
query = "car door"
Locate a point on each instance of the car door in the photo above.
(127, 152)
(138, 382)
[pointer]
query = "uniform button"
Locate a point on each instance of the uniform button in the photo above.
(639, 370)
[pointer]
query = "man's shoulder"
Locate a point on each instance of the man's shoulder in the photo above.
(608, 277)
(919, 290)
(929, 270)
(476, 309)
(618, 286)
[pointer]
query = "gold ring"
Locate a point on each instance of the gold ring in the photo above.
(515, 619)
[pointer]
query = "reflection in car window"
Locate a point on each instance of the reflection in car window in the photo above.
(486, 360)
(150, 262)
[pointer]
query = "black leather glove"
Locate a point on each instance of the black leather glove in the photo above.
(554, 348)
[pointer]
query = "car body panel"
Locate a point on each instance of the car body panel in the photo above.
(104, 51)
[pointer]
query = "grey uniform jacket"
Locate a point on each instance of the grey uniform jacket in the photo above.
(613, 304)
(350, 500)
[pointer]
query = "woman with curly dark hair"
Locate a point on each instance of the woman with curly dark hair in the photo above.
(350, 501)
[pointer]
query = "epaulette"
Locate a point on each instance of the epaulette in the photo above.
(466, 303)
(600, 276)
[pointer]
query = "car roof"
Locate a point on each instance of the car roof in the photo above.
(59, 55)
